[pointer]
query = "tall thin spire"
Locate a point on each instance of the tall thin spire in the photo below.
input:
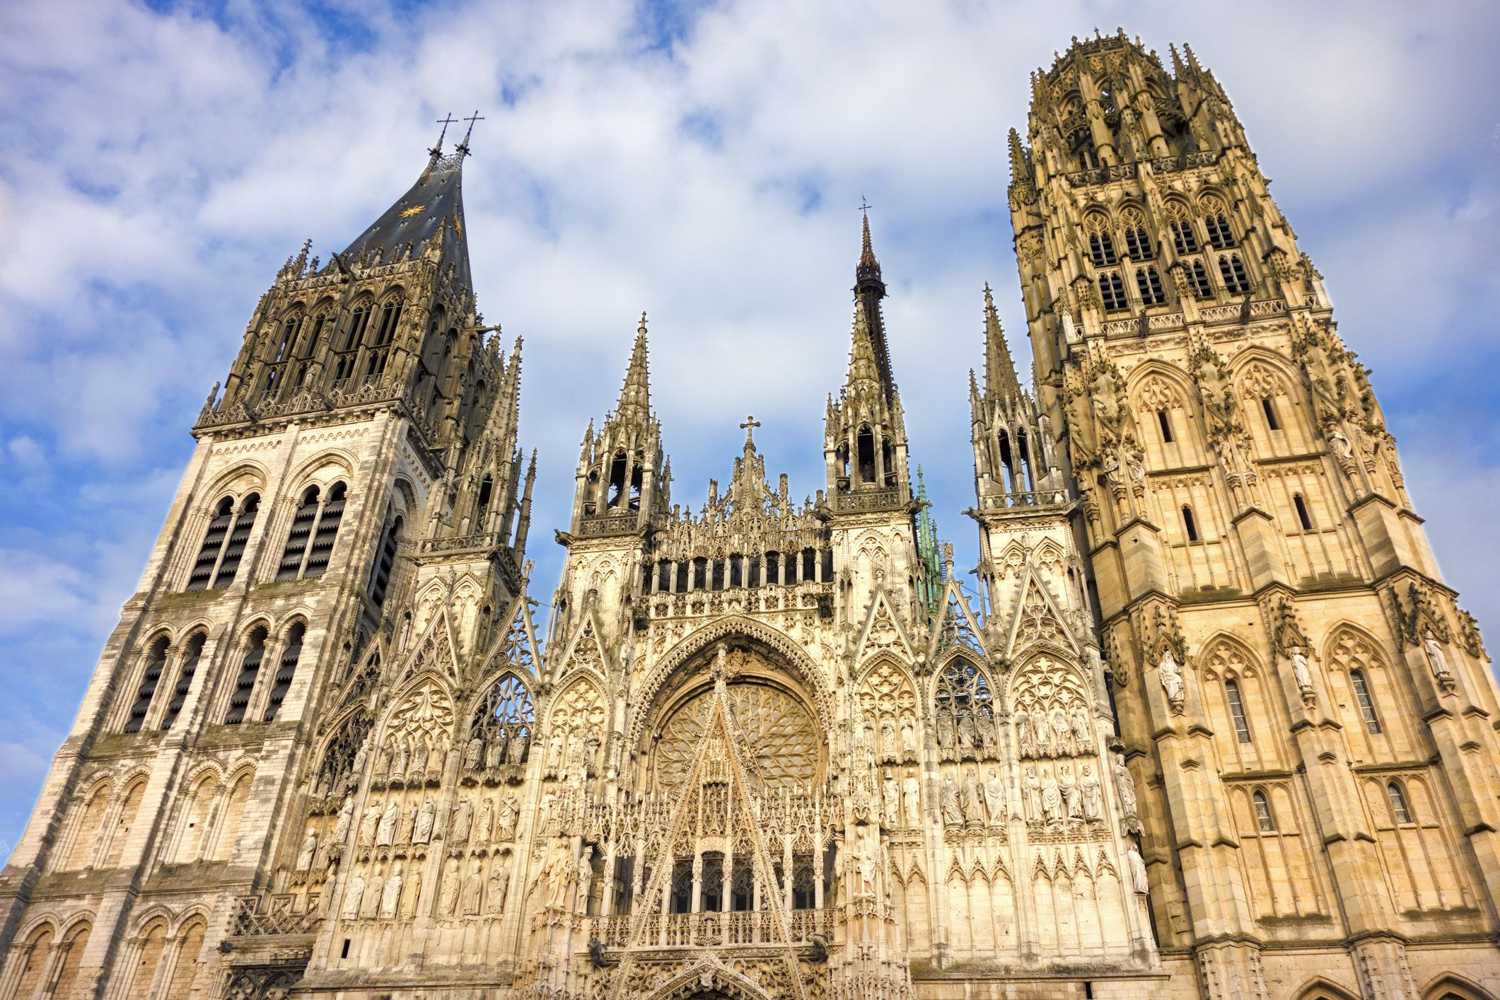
(999, 368)
(635, 394)
(1019, 173)
(869, 289)
(863, 365)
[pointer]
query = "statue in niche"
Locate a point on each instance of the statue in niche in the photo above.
(553, 878)
(399, 760)
(1170, 675)
(309, 848)
(473, 889)
(484, 826)
(908, 739)
(866, 863)
(969, 796)
(988, 736)
(385, 832)
(369, 906)
(499, 885)
(509, 816)
(1093, 796)
(553, 760)
(495, 752)
(357, 767)
(1062, 733)
(390, 897)
(406, 825)
(421, 832)
(585, 868)
(411, 892)
(1437, 660)
(888, 752)
(1072, 798)
(945, 729)
(1083, 731)
(1025, 742)
(1031, 793)
(591, 757)
(890, 795)
(519, 746)
(474, 754)
(953, 813)
(448, 896)
(1300, 669)
(994, 798)
(368, 821)
(1125, 788)
(1051, 801)
(911, 800)
(383, 762)
(345, 819)
(1139, 883)
(461, 822)
(353, 894)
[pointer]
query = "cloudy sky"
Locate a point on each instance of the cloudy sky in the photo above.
(700, 161)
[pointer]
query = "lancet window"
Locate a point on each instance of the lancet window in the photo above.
(286, 669)
(185, 673)
(244, 681)
(1232, 270)
(346, 349)
(315, 526)
(965, 710)
(380, 343)
(151, 671)
(385, 562)
(224, 543)
(501, 731)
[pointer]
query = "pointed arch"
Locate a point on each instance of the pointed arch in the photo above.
(1319, 988)
(1451, 984)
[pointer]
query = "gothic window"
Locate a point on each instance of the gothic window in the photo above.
(1102, 250)
(1268, 407)
(326, 533)
(773, 568)
(1184, 239)
(1232, 270)
(380, 343)
(385, 562)
(1112, 291)
(1400, 810)
(777, 736)
(1148, 283)
(809, 564)
(276, 363)
(482, 502)
(1023, 452)
(1236, 701)
(700, 573)
(617, 468)
(1164, 421)
(1198, 279)
(963, 697)
(306, 351)
(736, 570)
(1265, 821)
(244, 681)
(1361, 686)
(286, 669)
(1189, 524)
(888, 461)
(1138, 242)
(299, 536)
(717, 574)
(1220, 235)
(1303, 517)
(1007, 460)
(156, 662)
(224, 543)
(185, 673)
(865, 446)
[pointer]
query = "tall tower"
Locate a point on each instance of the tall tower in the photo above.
(355, 511)
(1305, 707)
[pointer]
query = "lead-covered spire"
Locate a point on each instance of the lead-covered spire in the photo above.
(869, 289)
(426, 222)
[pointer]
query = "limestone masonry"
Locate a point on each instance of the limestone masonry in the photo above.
(1213, 726)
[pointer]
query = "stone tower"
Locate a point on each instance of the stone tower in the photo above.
(1306, 709)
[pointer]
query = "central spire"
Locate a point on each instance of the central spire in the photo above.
(869, 289)
(635, 394)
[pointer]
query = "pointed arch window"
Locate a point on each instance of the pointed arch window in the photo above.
(276, 363)
(347, 347)
(380, 343)
(306, 351)
(1198, 279)
(1236, 702)
(1148, 283)
(244, 681)
(385, 562)
(224, 543)
(1189, 523)
(1184, 239)
(185, 674)
(1400, 810)
(1232, 270)
(1304, 518)
(1265, 820)
(155, 664)
(315, 527)
(1268, 407)
(1102, 250)
(286, 669)
(1164, 421)
(1361, 686)
(1112, 291)
(865, 449)
(964, 704)
(1138, 243)
(1220, 234)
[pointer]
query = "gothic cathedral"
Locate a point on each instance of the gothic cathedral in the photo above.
(1212, 725)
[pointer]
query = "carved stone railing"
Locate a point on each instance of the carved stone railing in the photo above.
(862, 500)
(1102, 175)
(1184, 161)
(276, 913)
(1022, 500)
(765, 597)
(711, 929)
(614, 524)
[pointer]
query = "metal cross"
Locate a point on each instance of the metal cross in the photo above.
(445, 122)
(864, 205)
(475, 117)
(749, 427)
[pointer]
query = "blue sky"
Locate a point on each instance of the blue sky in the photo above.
(701, 161)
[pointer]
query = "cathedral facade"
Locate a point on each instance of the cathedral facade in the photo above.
(1210, 726)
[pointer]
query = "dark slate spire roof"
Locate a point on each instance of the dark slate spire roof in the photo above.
(426, 221)
(869, 289)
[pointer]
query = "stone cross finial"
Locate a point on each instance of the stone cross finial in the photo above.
(749, 428)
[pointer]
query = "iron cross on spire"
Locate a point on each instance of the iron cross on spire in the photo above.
(749, 428)
(445, 122)
(864, 205)
(463, 147)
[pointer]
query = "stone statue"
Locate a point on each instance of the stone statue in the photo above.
(888, 751)
(1031, 794)
(1437, 660)
(405, 827)
(1138, 880)
(1072, 798)
(908, 739)
(474, 754)
(867, 864)
(484, 826)
(353, 893)
(399, 760)
(421, 831)
(390, 897)
(1083, 732)
(385, 832)
(309, 848)
(411, 892)
(448, 896)
(1170, 675)
(1124, 787)
(1051, 801)
(1300, 668)
(1093, 796)
(969, 796)
(553, 761)
(369, 906)
(890, 795)
(367, 823)
(509, 816)
(461, 823)
(953, 813)
(911, 800)
(945, 729)
(554, 876)
(1062, 734)
(473, 889)
(1025, 742)
(585, 877)
(342, 824)
(495, 753)
(499, 885)
(994, 798)
(519, 746)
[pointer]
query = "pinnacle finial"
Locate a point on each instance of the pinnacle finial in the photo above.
(635, 394)
(999, 368)
(1018, 171)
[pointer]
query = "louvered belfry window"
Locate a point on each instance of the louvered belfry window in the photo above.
(224, 543)
(315, 527)
(184, 679)
(156, 663)
(244, 682)
(286, 669)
